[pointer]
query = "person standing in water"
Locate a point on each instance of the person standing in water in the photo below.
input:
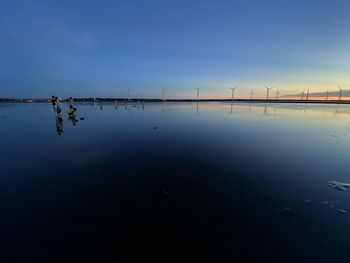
(53, 102)
(57, 110)
(58, 105)
(72, 114)
(72, 111)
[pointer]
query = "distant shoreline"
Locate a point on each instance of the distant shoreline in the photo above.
(142, 100)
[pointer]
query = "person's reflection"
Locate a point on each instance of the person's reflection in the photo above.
(59, 123)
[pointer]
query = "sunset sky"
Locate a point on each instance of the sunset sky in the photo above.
(102, 48)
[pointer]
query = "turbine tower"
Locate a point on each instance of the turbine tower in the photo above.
(163, 94)
(129, 94)
(277, 94)
(340, 92)
(307, 94)
(233, 92)
(251, 94)
(197, 89)
(268, 92)
(302, 95)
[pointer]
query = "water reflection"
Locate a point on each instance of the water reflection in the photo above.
(275, 175)
(59, 123)
(254, 109)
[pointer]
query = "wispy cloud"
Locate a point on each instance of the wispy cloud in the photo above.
(80, 38)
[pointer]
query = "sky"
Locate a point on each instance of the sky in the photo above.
(89, 48)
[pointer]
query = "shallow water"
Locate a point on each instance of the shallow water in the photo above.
(211, 182)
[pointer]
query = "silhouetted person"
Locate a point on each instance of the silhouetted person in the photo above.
(53, 102)
(58, 105)
(72, 114)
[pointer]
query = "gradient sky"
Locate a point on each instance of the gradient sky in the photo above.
(102, 48)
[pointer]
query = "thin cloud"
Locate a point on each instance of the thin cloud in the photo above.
(77, 37)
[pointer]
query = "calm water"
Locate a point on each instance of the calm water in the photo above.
(174, 182)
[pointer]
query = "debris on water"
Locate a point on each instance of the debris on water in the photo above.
(341, 211)
(307, 201)
(165, 192)
(287, 208)
(3, 117)
(333, 136)
(296, 164)
(154, 127)
(332, 205)
(338, 185)
(82, 118)
(329, 202)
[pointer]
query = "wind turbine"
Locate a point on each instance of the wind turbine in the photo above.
(268, 92)
(233, 92)
(307, 95)
(327, 94)
(302, 95)
(277, 94)
(197, 89)
(251, 94)
(129, 94)
(163, 94)
(340, 92)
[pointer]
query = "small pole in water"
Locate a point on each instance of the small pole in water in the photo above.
(327, 94)
(307, 95)
(302, 95)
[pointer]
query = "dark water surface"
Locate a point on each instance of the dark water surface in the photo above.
(175, 182)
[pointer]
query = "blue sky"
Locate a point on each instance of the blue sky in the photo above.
(102, 48)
